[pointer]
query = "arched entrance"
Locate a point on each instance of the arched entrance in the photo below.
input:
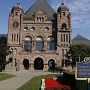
(26, 63)
(51, 64)
(38, 64)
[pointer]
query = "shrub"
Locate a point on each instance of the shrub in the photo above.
(81, 85)
(69, 78)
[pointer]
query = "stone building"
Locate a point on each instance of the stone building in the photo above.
(38, 38)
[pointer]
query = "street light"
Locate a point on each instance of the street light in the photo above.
(79, 57)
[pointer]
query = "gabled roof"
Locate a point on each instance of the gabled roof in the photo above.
(80, 40)
(44, 6)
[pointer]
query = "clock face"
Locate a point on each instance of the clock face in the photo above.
(15, 24)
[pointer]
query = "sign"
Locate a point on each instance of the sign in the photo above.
(88, 86)
(83, 70)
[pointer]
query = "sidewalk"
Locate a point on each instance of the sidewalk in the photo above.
(22, 78)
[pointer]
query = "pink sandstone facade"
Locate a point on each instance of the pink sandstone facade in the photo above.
(39, 38)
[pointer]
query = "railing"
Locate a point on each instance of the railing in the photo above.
(40, 51)
(43, 51)
(51, 51)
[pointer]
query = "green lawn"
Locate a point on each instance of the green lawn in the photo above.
(4, 76)
(34, 83)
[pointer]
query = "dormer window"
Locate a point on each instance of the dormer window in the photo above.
(26, 28)
(37, 19)
(33, 28)
(40, 19)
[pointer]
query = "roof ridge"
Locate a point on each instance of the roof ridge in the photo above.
(29, 9)
(44, 6)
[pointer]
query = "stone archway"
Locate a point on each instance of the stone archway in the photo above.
(38, 64)
(26, 63)
(51, 64)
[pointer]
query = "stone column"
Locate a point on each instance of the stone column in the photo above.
(45, 45)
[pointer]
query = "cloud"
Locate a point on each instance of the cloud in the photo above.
(79, 10)
(8, 7)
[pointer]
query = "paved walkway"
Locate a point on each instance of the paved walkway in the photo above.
(22, 78)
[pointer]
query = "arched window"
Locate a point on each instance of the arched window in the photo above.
(51, 43)
(28, 38)
(51, 64)
(28, 43)
(64, 26)
(39, 43)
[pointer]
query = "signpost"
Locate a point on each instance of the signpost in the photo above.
(83, 71)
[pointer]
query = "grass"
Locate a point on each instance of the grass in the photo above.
(72, 73)
(4, 76)
(34, 83)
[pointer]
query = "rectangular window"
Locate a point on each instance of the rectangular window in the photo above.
(39, 46)
(12, 37)
(17, 37)
(28, 46)
(48, 45)
(51, 46)
(66, 37)
(53, 29)
(62, 51)
(61, 38)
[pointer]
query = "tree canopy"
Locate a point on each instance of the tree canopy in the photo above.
(4, 51)
(79, 51)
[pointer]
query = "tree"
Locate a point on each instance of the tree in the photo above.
(78, 52)
(4, 51)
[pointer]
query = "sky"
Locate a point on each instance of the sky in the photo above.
(80, 14)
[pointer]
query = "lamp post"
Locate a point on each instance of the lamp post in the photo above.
(79, 57)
